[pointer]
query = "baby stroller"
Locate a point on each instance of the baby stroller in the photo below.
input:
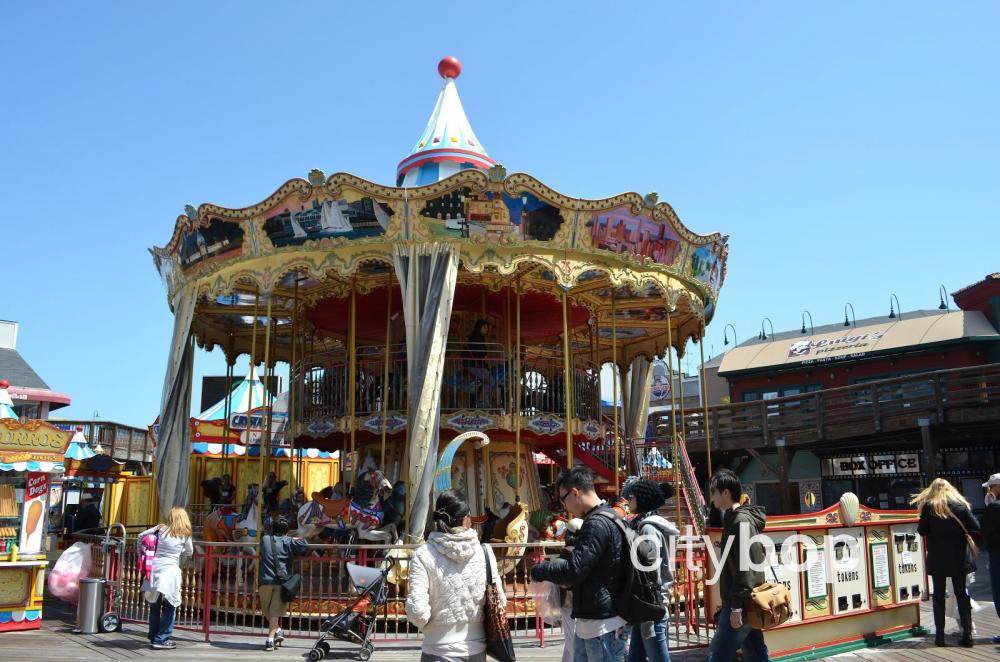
(356, 623)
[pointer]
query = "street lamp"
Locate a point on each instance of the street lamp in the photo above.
(763, 336)
(725, 334)
(811, 329)
(892, 311)
(847, 322)
(944, 299)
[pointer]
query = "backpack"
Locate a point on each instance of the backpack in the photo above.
(638, 600)
(147, 550)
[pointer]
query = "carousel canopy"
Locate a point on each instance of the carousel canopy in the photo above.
(448, 144)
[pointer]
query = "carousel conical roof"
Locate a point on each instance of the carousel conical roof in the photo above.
(448, 144)
(79, 449)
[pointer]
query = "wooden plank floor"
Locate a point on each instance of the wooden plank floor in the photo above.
(56, 641)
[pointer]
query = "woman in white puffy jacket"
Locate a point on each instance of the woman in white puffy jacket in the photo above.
(448, 585)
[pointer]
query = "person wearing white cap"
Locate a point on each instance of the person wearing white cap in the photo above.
(991, 536)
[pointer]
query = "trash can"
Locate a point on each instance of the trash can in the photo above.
(90, 608)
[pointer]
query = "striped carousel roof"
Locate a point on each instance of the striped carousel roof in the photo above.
(247, 396)
(202, 448)
(448, 144)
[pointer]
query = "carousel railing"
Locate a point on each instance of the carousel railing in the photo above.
(477, 379)
(219, 593)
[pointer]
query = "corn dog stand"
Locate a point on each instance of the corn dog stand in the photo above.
(30, 453)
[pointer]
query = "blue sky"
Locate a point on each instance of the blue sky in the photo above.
(849, 149)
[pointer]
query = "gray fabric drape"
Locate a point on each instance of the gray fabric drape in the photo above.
(635, 398)
(172, 447)
(427, 274)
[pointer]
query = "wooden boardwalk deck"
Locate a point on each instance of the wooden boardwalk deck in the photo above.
(56, 641)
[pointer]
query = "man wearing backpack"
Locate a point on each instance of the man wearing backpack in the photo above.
(594, 571)
(737, 580)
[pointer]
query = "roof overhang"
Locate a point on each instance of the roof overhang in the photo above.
(39, 395)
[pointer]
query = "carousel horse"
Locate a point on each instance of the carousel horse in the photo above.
(511, 529)
(227, 524)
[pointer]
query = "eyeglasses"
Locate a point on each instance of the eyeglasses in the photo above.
(562, 497)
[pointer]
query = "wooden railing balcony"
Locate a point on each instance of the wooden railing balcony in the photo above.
(121, 442)
(961, 395)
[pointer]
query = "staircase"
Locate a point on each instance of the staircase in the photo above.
(688, 497)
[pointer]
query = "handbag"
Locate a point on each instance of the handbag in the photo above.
(769, 605)
(499, 645)
(290, 583)
(971, 550)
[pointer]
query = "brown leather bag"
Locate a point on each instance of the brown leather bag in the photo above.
(768, 606)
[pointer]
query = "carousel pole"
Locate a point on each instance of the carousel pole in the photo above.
(567, 380)
(385, 368)
(704, 400)
(292, 400)
(263, 444)
(614, 388)
(517, 426)
(352, 382)
(673, 418)
(253, 370)
(228, 405)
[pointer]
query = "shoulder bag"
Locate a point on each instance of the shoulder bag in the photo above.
(499, 645)
(290, 583)
(971, 551)
(769, 605)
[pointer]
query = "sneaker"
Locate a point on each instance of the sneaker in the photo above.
(279, 638)
(165, 646)
(269, 645)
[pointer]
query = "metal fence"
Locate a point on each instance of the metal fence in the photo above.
(219, 593)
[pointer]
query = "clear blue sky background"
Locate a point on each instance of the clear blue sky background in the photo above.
(848, 148)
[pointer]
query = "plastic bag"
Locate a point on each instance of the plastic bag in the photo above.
(548, 601)
(73, 565)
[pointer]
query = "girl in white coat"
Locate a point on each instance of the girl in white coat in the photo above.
(163, 588)
(448, 585)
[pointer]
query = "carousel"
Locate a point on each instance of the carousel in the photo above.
(461, 299)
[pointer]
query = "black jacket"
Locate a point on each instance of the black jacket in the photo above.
(276, 553)
(946, 546)
(594, 568)
(735, 584)
(991, 527)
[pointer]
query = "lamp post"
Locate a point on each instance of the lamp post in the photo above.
(811, 329)
(944, 298)
(763, 336)
(847, 322)
(892, 311)
(725, 334)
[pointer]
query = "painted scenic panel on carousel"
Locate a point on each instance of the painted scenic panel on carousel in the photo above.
(706, 265)
(503, 470)
(217, 240)
(490, 215)
(322, 219)
(646, 315)
(619, 231)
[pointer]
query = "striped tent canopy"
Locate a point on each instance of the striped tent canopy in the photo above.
(33, 465)
(248, 395)
(79, 449)
(657, 460)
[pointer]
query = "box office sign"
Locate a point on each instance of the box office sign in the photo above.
(882, 464)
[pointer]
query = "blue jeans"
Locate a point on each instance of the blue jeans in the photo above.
(995, 579)
(161, 621)
(654, 649)
(727, 640)
(606, 648)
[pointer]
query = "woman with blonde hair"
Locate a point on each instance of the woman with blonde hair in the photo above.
(163, 588)
(946, 520)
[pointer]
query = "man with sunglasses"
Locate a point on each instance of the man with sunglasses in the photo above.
(593, 570)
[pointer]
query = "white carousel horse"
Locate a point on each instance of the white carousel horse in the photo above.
(228, 525)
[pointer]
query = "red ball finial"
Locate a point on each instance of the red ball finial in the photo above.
(449, 67)
(79, 428)
(4, 383)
